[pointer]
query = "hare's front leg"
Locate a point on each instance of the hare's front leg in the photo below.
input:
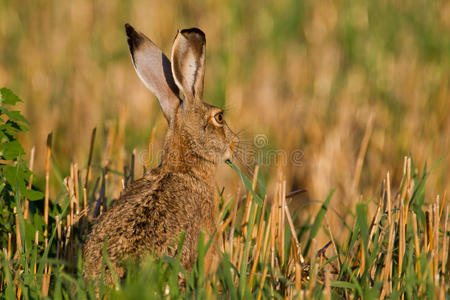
(119, 272)
(190, 247)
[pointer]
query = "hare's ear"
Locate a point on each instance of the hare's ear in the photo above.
(188, 62)
(154, 69)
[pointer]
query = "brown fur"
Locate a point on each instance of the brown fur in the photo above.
(177, 196)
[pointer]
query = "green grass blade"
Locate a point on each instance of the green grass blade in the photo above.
(318, 221)
(247, 182)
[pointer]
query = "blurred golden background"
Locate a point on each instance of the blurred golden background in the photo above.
(354, 85)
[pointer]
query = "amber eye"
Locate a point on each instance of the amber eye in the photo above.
(219, 118)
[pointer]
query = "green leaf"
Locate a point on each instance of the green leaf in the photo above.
(38, 223)
(10, 175)
(243, 270)
(10, 129)
(33, 195)
(247, 182)
(361, 213)
(11, 150)
(227, 277)
(30, 231)
(15, 176)
(343, 284)
(14, 115)
(8, 97)
(10, 291)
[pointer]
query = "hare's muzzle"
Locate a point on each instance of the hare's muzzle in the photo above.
(231, 150)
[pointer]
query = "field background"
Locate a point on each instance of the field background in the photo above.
(317, 76)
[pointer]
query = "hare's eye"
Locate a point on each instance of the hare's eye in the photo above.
(219, 118)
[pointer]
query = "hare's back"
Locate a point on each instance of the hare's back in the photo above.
(115, 225)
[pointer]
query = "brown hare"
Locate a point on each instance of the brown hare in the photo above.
(178, 195)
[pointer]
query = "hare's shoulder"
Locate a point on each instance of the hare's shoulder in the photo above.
(124, 207)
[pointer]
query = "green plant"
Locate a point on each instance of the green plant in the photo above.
(14, 173)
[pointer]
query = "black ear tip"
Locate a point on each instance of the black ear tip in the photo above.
(194, 31)
(134, 38)
(129, 30)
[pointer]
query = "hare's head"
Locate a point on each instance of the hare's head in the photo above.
(197, 130)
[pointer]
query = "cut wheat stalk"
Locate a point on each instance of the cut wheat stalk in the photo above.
(225, 208)
(279, 210)
(282, 221)
(436, 240)
(327, 224)
(402, 217)
(263, 278)
(443, 204)
(18, 236)
(327, 289)
(298, 278)
(429, 232)
(388, 198)
(362, 260)
(442, 289)
(30, 182)
(46, 281)
(233, 224)
(312, 277)
(266, 253)
(77, 188)
(267, 236)
(426, 234)
(47, 182)
(258, 243)
(294, 234)
(445, 242)
(374, 225)
(68, 183)
(91, 153)
(401, 242)
(9, 251)
(36, 244)
(133, 165)
(387, 269)
(109, 147)
(59, 235)
(416, 242)
(245, 219)
(362, 153)
(273, 230)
